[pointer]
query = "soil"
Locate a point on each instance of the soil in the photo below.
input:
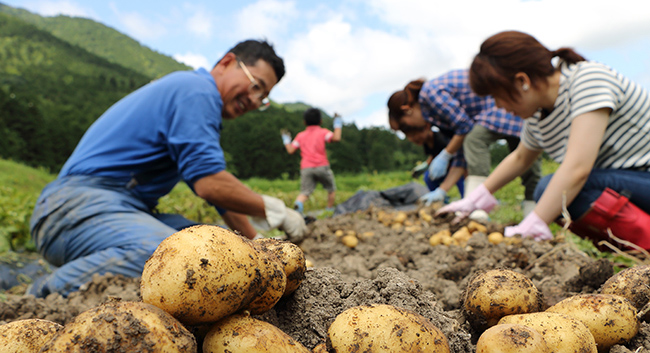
(392, 264)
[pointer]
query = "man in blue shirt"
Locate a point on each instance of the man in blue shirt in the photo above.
(99, 215)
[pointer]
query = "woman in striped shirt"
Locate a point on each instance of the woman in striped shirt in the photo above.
(589, 118)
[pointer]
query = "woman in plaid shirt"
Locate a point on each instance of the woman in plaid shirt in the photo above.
(472, 122)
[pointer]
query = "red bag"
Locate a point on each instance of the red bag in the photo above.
(615, 212)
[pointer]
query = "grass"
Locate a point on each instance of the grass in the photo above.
(20, 186)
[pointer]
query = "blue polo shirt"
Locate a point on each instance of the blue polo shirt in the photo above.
(164, 132)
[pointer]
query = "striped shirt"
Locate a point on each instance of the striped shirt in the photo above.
(449, 103)
(585, 87)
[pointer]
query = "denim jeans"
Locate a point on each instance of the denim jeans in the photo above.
(86, 225)
(637, 183)
(433, 184)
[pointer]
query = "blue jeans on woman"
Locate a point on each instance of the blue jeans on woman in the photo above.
(635, 183)
(89, 225)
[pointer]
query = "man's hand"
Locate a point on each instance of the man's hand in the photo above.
(531, 226)
(439, 165)
(286, 136)
(281, 217)
(338, 122)
(433, 196)
(419, 169)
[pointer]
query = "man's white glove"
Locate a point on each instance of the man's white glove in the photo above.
(281, 217)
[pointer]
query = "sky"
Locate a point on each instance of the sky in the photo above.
(349, 56)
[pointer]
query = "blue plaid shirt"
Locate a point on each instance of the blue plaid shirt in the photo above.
(449, 103)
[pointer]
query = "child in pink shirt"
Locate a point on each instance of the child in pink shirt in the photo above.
(314, 166)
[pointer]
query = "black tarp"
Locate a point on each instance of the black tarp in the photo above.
(400, 197)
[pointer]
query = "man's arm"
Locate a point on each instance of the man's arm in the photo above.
(239, 222)
(286, 140)
(226, 191)
(338, 128)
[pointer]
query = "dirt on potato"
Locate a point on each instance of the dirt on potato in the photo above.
(391, 263)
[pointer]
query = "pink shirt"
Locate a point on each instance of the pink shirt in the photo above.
(312, 146)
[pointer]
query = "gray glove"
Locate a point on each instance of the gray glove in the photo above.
(419, 169)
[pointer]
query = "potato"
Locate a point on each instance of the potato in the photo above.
(511, 338)
(632, 283)
(123, 327)
(350, 241)
(292, 259)
(438, 238)
(240, 333)
(562, 333)
(385, 328)
(27, 336)
(611, 319)
(201, 274)
(495, 238)
(496, 293)
(274, 282)
(399, 217)
(474, 226)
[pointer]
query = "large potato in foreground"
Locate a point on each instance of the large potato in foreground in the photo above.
(562, 333)
(496, 293)
(201, 274)
(27, 336)
(292, 259)
(240, 333)
(611, 319)
(123, 327)
(385, 328)
(510, 338)
(275, 282)
(632, 283)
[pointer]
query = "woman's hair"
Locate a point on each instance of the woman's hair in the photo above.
(505, 54)
(406, 97)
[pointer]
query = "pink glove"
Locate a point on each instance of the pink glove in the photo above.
(531, 226)
(480, 198)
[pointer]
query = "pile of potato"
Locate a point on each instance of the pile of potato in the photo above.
(505, 308)
(205, 278)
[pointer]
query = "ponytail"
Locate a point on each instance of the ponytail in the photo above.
(568, 55)
(406, 97)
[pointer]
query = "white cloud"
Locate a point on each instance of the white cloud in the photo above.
(264, 19)
(139, 26)
(194, 60)
(200, 23)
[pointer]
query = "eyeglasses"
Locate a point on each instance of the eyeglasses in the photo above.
(255, 90)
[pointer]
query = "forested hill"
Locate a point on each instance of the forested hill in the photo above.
(51, 90)
(102, 41)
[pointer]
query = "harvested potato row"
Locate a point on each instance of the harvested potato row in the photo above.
(240, 333)
(611, 319)
(511, 338)
(385, 328)
(632, 283)
(123, 327)
(493, 294)
(203, 273)
(27, 336)
(562, 333)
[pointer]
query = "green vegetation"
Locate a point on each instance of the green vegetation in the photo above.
(102, 41)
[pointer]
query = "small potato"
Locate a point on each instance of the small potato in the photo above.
(611, 319)
(474, 226)
(632, 283)
(320, 348)
(240, 333)
(385, 328)
(201, 274)
(27, 336)
(123, 327)
(562, 333)
(399, 217)
(293, 261)
(437, 238)
(462, 235)
(495, 238)
(425, 216)
(366, 235)
(496, 293)
(309, 263)
(339, 233)
(511, 338)
(350, 241)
